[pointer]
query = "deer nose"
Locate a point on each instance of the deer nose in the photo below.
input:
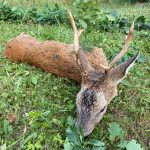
(83, 130)
(86, 132)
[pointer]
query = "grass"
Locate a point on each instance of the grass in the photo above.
(37, 3)
(125, 9)
(42, 102)
(128, 10)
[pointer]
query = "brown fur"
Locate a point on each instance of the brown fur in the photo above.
(51, 56)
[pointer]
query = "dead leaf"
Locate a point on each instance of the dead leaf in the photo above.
(11, 118)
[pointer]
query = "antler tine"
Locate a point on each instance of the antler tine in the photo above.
(125, 48)
(76, 32)
(81, 59)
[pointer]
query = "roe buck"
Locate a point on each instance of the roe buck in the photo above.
(97, 88)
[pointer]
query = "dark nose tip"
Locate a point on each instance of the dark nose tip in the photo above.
(85, 131)
(82, 130)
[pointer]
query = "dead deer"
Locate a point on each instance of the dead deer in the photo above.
(99, 80)
(97, 88)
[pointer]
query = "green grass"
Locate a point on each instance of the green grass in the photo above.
(125, 9)
(42, 102)
(37, 3)
(128, 9)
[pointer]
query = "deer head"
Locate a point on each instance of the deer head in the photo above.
(97, 88)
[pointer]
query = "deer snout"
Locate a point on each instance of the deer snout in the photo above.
(85, 128)
(87, 131)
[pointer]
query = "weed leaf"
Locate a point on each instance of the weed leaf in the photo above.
(98, 148)
(142, 59)
(34, 80)
(68, 146)
(115, 131)
(72, 135)
(96, 143)
(71, 121)
(133, 145)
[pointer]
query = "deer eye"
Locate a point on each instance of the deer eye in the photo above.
(102, 110)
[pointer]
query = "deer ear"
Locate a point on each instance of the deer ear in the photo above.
(118, 73)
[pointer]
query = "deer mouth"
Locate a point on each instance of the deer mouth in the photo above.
(85, 129)
(87, 132)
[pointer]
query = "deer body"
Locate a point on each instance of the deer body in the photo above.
(51, 56)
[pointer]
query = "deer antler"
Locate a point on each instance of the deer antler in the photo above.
(116, 59)
(123, 51)
(125, 48)
(76, 32)
(81, 59)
